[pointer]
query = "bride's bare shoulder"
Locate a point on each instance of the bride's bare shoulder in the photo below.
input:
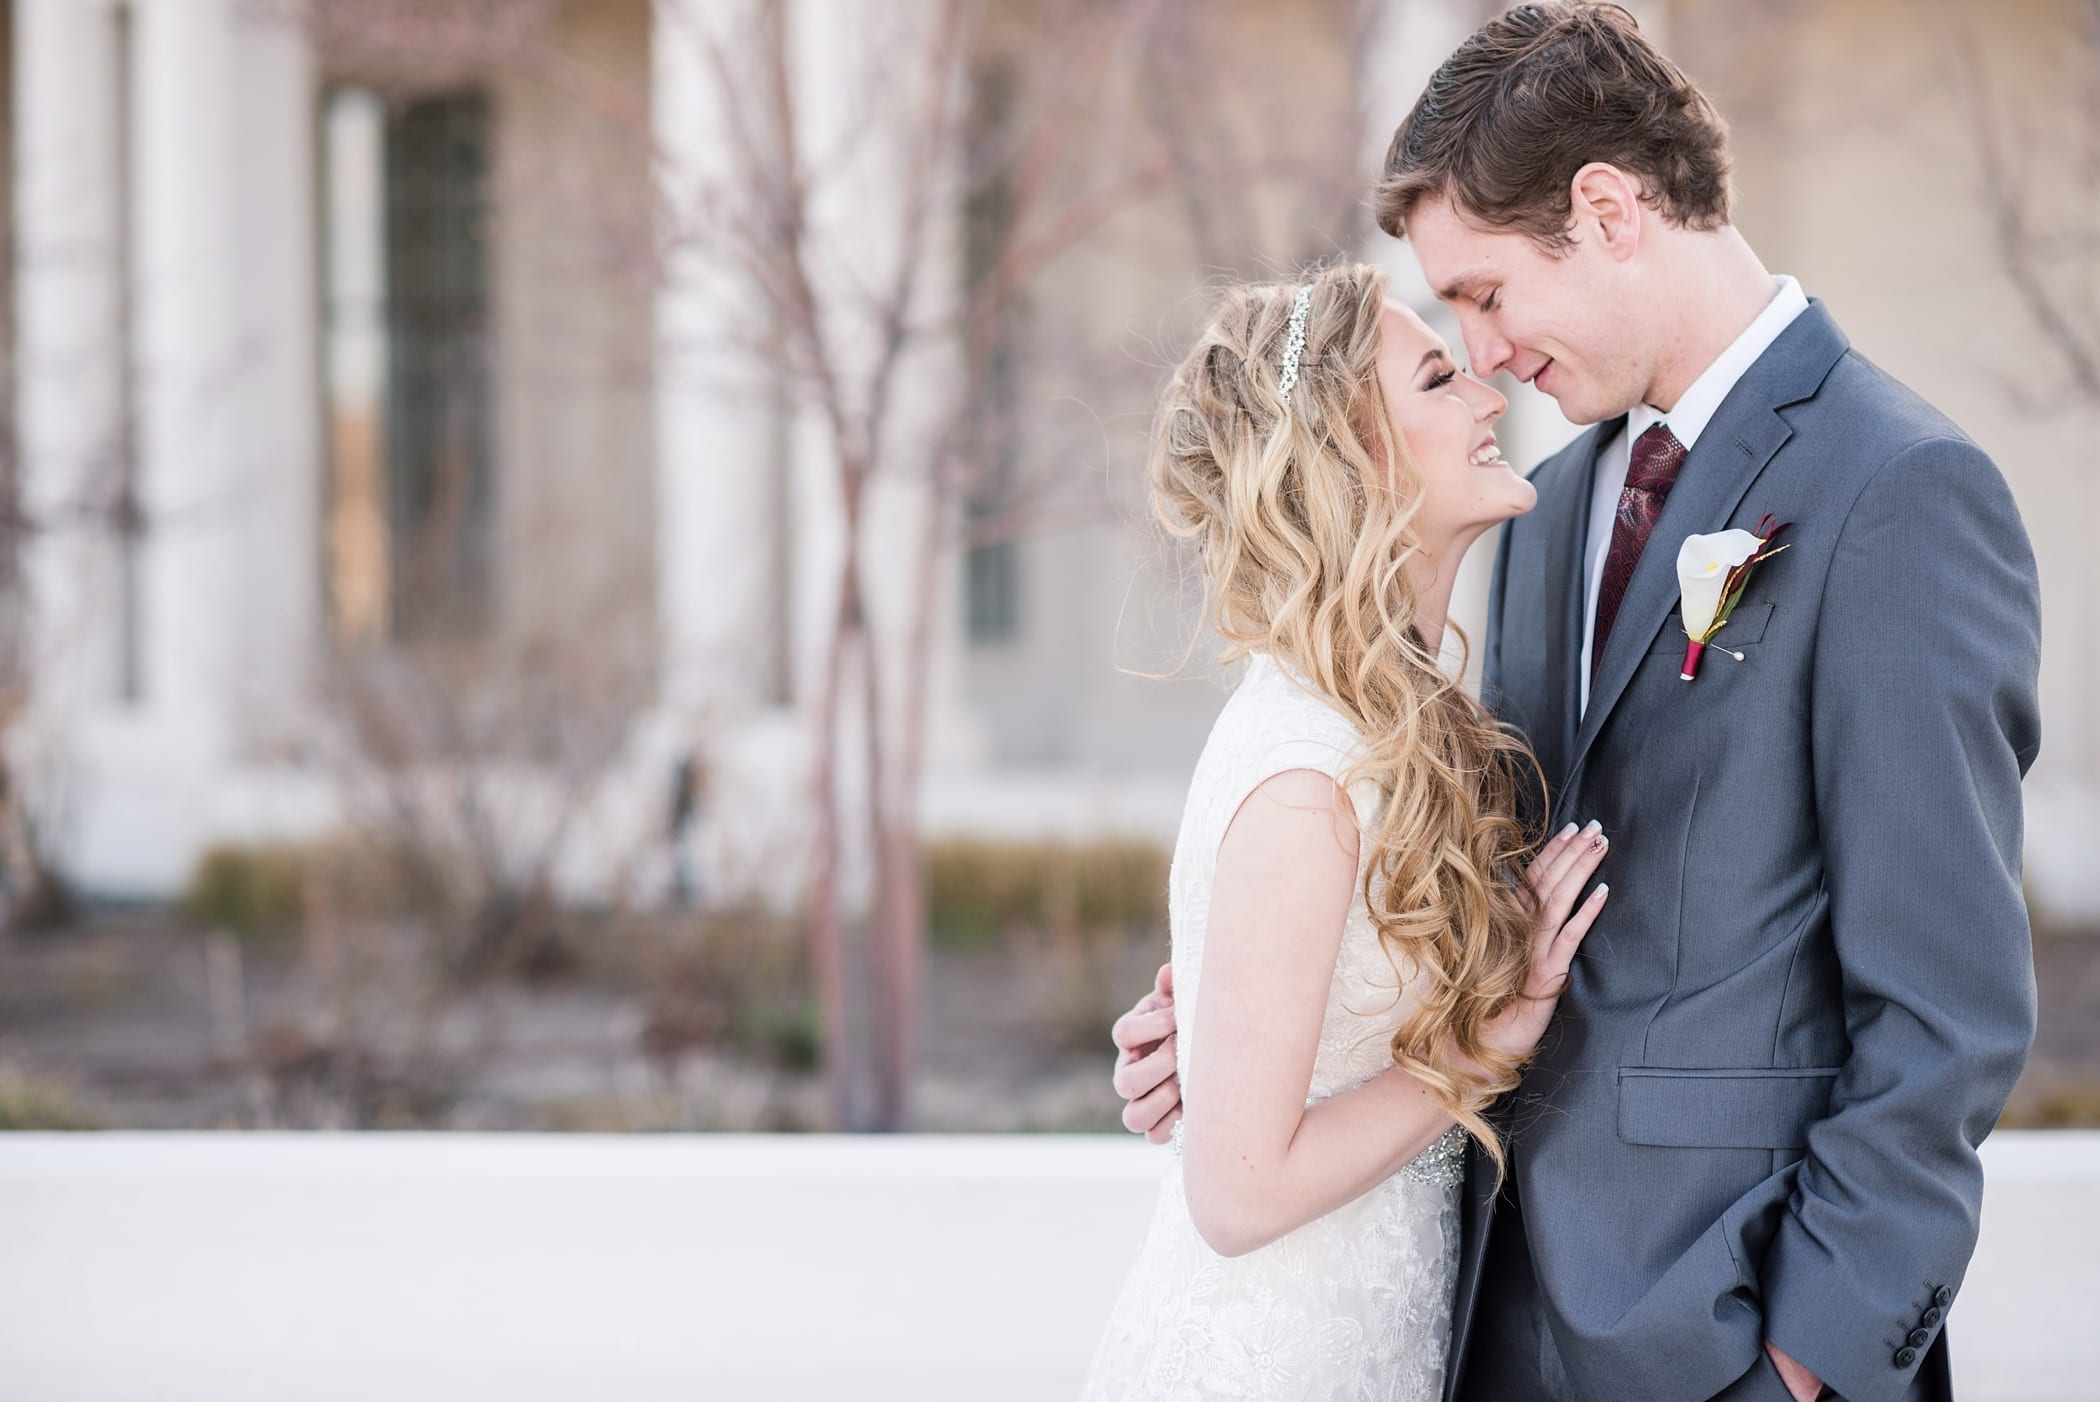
(1294, 806)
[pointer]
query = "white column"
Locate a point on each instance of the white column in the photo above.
(718, 450)
(1408, 43)
(185, 243)
(1407, 40)
(729, 529)
(68, 342)
(845, 51)
(128, 351)
(275, 466)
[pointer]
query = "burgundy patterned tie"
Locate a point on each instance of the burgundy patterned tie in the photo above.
(1650, 473)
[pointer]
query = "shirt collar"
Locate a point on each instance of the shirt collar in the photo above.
(1698, 404)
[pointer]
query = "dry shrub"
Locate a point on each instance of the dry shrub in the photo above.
(979, 892)
(736, 980)
(257, 892)
(1070, 916)
(264, 891)
(28, 1102)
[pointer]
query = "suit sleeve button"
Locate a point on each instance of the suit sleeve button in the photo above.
(1919, 1338)
(1944, 1296)
(1932, 1316)
(1906, 1356)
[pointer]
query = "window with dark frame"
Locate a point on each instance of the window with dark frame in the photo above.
(407, 327)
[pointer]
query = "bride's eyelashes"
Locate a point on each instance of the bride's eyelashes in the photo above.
(1437, 382)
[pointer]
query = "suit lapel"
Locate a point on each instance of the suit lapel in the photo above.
(1568, 535)
(1744, 435)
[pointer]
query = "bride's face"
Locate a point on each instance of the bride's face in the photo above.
(1448, 420)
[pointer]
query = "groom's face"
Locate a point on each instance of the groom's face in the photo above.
(1554, 320)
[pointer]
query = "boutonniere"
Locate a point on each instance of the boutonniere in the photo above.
(1712, 571)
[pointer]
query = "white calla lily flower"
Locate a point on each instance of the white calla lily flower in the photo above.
(1703, 565)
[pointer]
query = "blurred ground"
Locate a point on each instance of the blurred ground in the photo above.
(145, 1022)
(126, 1021)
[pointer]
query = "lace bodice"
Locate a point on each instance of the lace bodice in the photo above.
(1356, 1304)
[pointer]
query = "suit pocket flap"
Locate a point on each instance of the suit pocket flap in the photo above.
(1754, 1108)
(1744, 627)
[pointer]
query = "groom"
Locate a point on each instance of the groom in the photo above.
(1744, 1164)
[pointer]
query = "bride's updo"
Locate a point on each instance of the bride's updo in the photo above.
(1304, 539)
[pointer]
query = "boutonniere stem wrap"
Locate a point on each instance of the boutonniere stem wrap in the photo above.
(1712, 572)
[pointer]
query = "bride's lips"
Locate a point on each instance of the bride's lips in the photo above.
(1486, 453)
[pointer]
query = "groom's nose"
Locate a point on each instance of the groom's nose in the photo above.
(1488, 351)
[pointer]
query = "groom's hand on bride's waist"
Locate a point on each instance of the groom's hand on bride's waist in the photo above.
(1144, 1075)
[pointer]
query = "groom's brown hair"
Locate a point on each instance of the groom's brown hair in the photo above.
(1534, 96)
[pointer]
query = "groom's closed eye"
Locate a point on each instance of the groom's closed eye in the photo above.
(1467, 289)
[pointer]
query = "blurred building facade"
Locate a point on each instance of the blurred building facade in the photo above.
(340, 364)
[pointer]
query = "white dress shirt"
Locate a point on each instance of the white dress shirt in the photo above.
(1694, 410)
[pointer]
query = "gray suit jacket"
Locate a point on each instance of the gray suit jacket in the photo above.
(1812, 989)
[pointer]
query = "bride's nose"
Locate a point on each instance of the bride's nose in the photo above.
(1487, 401)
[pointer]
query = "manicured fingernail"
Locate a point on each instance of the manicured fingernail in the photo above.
(1596, 825)
(1568, 831)
(1602, 889)
(1601, 843)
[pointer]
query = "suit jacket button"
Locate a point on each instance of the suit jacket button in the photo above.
(1944, 1296)
(1932, 1316)
(1906, 1356)
(1919, 1338)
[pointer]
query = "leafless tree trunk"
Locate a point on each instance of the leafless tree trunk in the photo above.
(1062, 175)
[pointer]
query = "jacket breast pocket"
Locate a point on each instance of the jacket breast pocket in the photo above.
(1753, 1108)
(1744, 627)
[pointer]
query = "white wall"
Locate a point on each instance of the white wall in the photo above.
(311, 1268)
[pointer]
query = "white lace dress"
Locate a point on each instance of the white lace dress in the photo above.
(1357, 1304)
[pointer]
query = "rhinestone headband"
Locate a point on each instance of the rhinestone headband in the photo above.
(1293, 346)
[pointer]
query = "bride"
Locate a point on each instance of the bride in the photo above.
(1367, 944)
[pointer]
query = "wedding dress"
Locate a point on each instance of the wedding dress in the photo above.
(1356, 1304)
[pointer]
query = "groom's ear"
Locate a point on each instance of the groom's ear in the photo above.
(1604, 207)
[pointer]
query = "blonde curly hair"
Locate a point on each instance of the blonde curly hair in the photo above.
(1304, 538)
